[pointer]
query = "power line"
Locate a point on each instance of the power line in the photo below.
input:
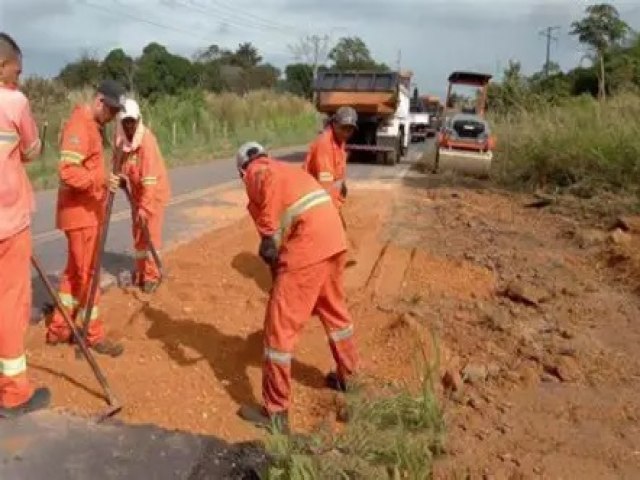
(147, 21)
(243, 13)
(548, 33)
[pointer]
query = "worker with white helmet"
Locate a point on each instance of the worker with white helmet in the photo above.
(144, 170)
(303, 242)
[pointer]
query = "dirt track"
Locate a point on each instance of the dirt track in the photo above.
(524, 302)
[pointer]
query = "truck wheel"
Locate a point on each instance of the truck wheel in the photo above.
(402, 150)
(391, 158)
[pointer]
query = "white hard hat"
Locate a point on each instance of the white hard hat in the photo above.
(248, 152)
(131, 110)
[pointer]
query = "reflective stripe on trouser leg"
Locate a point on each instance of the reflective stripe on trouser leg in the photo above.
(276, 381)
(341, 335)
(15, 311)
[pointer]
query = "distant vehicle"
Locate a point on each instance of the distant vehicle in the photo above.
(465, 142)
(433, 106)
(425, 117)
(382, 102)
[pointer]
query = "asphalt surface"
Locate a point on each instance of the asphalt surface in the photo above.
(191, 186)
(56, 446)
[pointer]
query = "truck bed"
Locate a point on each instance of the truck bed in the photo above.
(374, 93)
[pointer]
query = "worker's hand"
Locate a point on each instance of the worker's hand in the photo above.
(142, 216)
(114, 182)
(343, 189)
(268, 251)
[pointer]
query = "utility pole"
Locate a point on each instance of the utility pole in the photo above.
(548, 34)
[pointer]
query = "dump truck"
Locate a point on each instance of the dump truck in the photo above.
(433, 106)
(465, 143)
(382, 102)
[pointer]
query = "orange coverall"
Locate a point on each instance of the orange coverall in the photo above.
(288, 204)
(144, 166)
(19, 143)
(79, 213)
(326, 161)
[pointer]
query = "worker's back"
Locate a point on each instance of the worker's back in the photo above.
(287, 202)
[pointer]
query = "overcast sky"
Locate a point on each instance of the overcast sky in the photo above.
(433, 36)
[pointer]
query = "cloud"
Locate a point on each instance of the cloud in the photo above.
(433, 36)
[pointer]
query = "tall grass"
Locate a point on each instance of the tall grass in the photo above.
(580, 145)
(392, 433)
(192, 127)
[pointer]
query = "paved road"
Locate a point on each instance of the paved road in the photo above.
(192, 186)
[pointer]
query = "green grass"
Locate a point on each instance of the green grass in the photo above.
(391, 434)
(580, 146)
(193, 127)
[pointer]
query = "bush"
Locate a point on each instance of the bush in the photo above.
(580, 145)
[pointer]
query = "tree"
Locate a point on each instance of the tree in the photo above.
(246, 56)
(600, 30)
(161, 72)
(312, 50)
(119, 66)
(83, 72)
(299, 79)
(351, 53)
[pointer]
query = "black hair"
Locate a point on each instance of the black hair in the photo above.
(8, 41)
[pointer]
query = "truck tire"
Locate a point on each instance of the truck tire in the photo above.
(391, 158)
(402, 149)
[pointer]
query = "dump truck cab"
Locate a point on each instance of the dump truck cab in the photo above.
(382, 102)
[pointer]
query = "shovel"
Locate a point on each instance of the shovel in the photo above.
(114, 405)
(147, 238)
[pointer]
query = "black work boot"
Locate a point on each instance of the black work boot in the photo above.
(150, 286)
(275, 423)
(108, 347)
(39, 400)
(335, 383)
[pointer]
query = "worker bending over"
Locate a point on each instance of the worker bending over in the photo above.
(304, 244)
(144, 170)
(19, 143)
(326, 160)
(80, 212)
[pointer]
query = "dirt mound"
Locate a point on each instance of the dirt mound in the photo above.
(536, 340)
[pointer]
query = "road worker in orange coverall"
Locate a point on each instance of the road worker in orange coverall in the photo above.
(19, 143)
(80, 212)
(144, 170)
(326, 160)
(304, 244)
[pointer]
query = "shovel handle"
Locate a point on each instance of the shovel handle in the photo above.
(111, 399)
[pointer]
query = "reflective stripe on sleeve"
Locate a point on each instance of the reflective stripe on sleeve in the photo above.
(308, 201)
(10, 367)
(8, 138)
(74, 158)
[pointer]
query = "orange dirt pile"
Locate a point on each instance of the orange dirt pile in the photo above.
(538, 328)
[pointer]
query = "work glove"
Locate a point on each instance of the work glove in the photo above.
(117, 181)
(343, 189)
(268, 251)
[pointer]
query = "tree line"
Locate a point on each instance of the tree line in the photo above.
(157, 71)
(613, 56)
